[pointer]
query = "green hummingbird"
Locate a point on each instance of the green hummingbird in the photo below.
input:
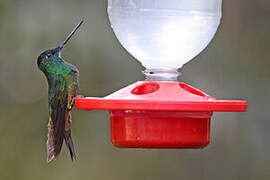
(63, 82)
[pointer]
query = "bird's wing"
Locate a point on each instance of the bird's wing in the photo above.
(58, 113)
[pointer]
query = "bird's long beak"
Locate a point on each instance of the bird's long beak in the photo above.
(70, 35)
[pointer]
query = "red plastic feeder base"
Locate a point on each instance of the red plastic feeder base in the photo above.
(145, 129)
(160, 115)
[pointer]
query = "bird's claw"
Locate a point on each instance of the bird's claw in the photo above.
(72, 102)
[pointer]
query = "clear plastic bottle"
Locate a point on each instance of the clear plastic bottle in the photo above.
(164, 35)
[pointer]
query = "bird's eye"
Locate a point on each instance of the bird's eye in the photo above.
(49, 55)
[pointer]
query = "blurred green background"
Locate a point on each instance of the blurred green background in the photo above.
(235, 65)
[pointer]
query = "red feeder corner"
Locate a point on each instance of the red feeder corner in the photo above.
(160, 114)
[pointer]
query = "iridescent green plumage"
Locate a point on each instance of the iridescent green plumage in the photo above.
(63, 81)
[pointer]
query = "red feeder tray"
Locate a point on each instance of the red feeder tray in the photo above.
(160, 114)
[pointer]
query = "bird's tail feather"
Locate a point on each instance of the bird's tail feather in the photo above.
(70, 146)
(67, 136)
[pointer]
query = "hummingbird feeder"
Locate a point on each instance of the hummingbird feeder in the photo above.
(161, 112)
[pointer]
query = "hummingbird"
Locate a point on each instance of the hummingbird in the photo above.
(63, 86)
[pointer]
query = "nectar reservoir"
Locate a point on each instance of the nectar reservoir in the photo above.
(164, 35)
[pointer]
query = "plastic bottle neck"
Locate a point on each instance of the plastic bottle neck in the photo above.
(161, 74)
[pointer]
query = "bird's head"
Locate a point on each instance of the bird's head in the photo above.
(47, 56)
(51, 55)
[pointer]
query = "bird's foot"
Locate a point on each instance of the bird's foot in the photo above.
(72, 102)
